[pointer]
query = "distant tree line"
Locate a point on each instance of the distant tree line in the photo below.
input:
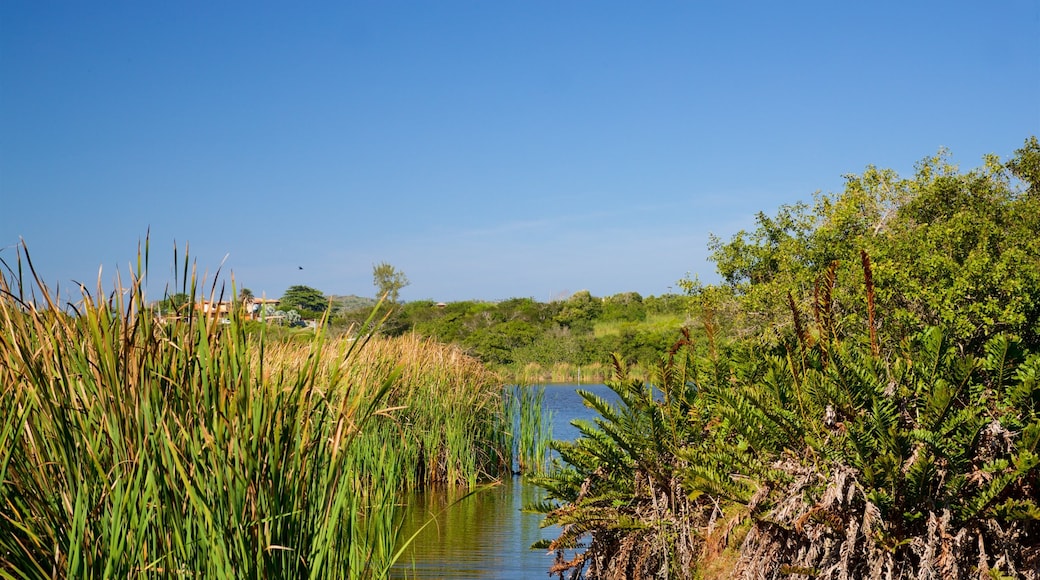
(582, 330)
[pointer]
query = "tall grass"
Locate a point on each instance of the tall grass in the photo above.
(532, 428)
(448, 424)
(132, 446)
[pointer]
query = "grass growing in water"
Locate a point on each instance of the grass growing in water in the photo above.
(532, 427)
(131, 446)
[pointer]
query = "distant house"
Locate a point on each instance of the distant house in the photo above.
(209, 308)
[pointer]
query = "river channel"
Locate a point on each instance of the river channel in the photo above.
(486, 535)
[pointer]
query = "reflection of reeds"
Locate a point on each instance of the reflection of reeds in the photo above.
(131, 446)
(559, 373)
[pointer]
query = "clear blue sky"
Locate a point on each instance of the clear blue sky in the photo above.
(488, 149)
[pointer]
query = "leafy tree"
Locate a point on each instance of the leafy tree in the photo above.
(496, 344)
(454, 321)
(949, 248)
(526, 309)
(580, 311)
(551, 346)
(624, 307)
(1025, 166)
(307, 301)
(245, 295)
(292, 318)
(388, 281)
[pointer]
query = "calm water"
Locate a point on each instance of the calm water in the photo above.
(486, 535)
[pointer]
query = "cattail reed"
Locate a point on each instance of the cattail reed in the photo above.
(136, 446)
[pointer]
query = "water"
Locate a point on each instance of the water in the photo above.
(486, 535)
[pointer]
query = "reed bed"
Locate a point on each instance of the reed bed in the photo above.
(445, 418)
(132, 446)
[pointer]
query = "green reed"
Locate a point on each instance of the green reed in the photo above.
(532, 428)
(133, 446)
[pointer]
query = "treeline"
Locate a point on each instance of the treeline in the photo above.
(860, 398)
(524, 340)
(531, 341)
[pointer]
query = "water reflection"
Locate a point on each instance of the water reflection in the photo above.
(486, 535)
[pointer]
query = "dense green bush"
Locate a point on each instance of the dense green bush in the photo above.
(833, 457)
(949, 248)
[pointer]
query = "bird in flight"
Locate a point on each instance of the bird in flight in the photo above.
(300, 267)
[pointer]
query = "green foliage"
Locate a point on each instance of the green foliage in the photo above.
(667, 304)
(928, 430)
(306, 301)
(580, 311)
(626, 307)
(621, 480)
(950, 249)
(1025, 166)
(497, 343)
(867, 401)
(521, 332)
(388, 282)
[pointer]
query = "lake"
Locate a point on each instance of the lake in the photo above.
(486, 535)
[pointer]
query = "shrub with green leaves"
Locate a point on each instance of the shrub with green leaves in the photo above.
(832, 455)
(951, 248)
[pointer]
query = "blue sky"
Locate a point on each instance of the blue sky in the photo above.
(488, 149)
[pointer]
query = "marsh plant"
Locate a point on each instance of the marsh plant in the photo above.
(136, 445)
(532, 428)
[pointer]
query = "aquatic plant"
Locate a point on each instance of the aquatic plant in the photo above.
(133, 444)
(531, 428)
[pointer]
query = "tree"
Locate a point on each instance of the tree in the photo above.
(580, 311)
(496, 344)
(310, 303)
(624, 307)
(245, 295)
(949, 248)
(1025, 166)
(388, 281)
